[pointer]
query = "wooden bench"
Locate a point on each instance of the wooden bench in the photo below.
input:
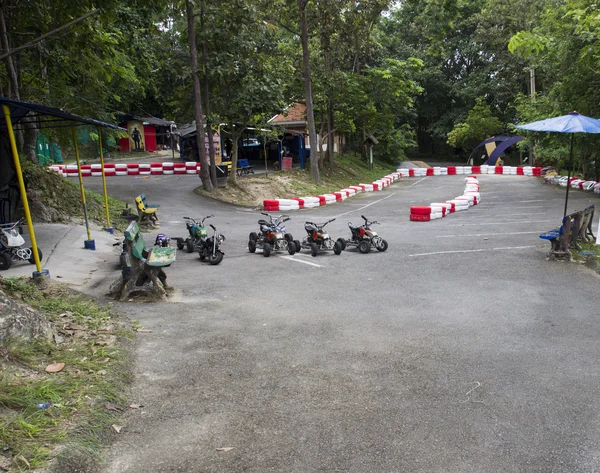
(244, 167)
(145, 273)
(145, 211)
(565, 237)
(585, 231)
(143, 197)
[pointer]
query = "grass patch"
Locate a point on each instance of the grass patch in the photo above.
(56, 199)
(349, 170)
(584, 255)
(83, 397)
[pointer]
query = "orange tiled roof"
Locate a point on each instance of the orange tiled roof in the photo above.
(294, 113)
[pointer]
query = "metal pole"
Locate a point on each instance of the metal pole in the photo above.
(13, 146)
(569, 174)
(109, 228)
(89, 246)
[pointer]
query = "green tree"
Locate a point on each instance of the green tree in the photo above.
(479, 125)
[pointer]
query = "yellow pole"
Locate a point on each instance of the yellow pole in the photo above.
(85, 216)
(13, 146)
(108, 227)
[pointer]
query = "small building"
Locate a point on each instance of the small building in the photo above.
(146, 134)
(296, 141)
(188, 144)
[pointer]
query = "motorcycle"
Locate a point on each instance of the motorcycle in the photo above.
(364, 238)
(11, 243)
(207, 247)
(319, 240)
(272, 237)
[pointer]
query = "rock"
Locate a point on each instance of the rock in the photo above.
(21, 321)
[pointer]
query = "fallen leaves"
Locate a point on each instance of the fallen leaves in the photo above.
(117, 428)
(135, 406)
(55, 367)
(143, 330)
(224, 449)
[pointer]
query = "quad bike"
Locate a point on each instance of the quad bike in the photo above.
(10, 246)
(207, 247)
(272, 237)
(196, 230)
(162, 240)
(364, 238)
(318, 239)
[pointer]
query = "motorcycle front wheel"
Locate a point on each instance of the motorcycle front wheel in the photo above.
(314, 249)
(216, 258)
(383, 245)
(189, 245)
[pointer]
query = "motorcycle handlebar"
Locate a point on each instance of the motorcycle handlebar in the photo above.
(213, 227)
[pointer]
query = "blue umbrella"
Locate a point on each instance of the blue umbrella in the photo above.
(571, 123)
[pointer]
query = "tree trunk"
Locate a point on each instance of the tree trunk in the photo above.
(235, 136)
(310, 113)
(30, 141)
(321, 142)
(204, 166)
(13, 78)
(330, 137)
(209, 130)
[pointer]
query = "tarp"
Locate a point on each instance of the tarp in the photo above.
(501, 148)
(490, 140)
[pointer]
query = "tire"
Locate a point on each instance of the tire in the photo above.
(298, 245)
(291, 247)
(383, 246)
(314, 249)
(288, 237)
(364, 246)
(180, 245)
(5, 262)
(189, 245)
(342, 242)
(216, 259)
(32, 259)
(202, 257)
(251, 246)
(266, 250)
(337, 248)
(253, 237)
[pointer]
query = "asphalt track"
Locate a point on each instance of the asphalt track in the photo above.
(460, 349)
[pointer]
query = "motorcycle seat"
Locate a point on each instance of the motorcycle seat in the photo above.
(263, 222)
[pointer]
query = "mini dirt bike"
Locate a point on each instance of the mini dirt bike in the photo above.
(207, 247)
(318, 239)
(10, 246)
(364, 238)
(272, 237)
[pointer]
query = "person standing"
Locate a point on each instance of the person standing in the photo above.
(136, 137)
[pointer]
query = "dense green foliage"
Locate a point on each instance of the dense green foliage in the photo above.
(419, 75)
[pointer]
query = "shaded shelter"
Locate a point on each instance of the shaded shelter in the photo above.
(16, 114)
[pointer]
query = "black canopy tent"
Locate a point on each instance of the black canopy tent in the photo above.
(12, 185)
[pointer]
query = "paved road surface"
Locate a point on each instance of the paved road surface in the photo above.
(460, 349)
